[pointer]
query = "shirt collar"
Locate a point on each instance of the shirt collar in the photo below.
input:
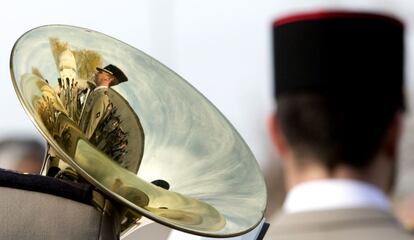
(334, 194)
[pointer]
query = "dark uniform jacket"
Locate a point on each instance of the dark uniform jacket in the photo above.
(96, 106)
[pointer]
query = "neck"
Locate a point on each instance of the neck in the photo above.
(379, 173)
(104, 84)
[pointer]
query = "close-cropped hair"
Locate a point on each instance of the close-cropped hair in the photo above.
(335, 131)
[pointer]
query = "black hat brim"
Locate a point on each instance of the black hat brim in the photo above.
(104, 70)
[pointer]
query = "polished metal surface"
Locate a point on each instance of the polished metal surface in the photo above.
(216, 187)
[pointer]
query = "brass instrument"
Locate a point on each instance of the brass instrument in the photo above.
(162, 151)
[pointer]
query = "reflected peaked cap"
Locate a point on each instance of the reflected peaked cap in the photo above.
(114, 71)
(339, 54)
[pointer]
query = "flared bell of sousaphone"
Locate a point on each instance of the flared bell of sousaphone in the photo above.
(178, 136)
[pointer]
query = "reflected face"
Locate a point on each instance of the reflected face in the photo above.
(102, 78)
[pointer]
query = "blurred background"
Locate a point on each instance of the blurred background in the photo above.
(223, 48)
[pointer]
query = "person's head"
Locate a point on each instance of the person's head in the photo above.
(23, 155)
(339, 95)
(103, 78)
(109, 76)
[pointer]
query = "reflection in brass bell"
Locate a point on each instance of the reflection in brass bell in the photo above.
(153, 143)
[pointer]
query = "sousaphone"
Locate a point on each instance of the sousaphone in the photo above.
(161, 150)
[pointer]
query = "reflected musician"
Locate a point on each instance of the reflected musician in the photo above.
(98, 105)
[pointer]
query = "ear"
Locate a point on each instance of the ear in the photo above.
(278, 140)
(392, 136)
